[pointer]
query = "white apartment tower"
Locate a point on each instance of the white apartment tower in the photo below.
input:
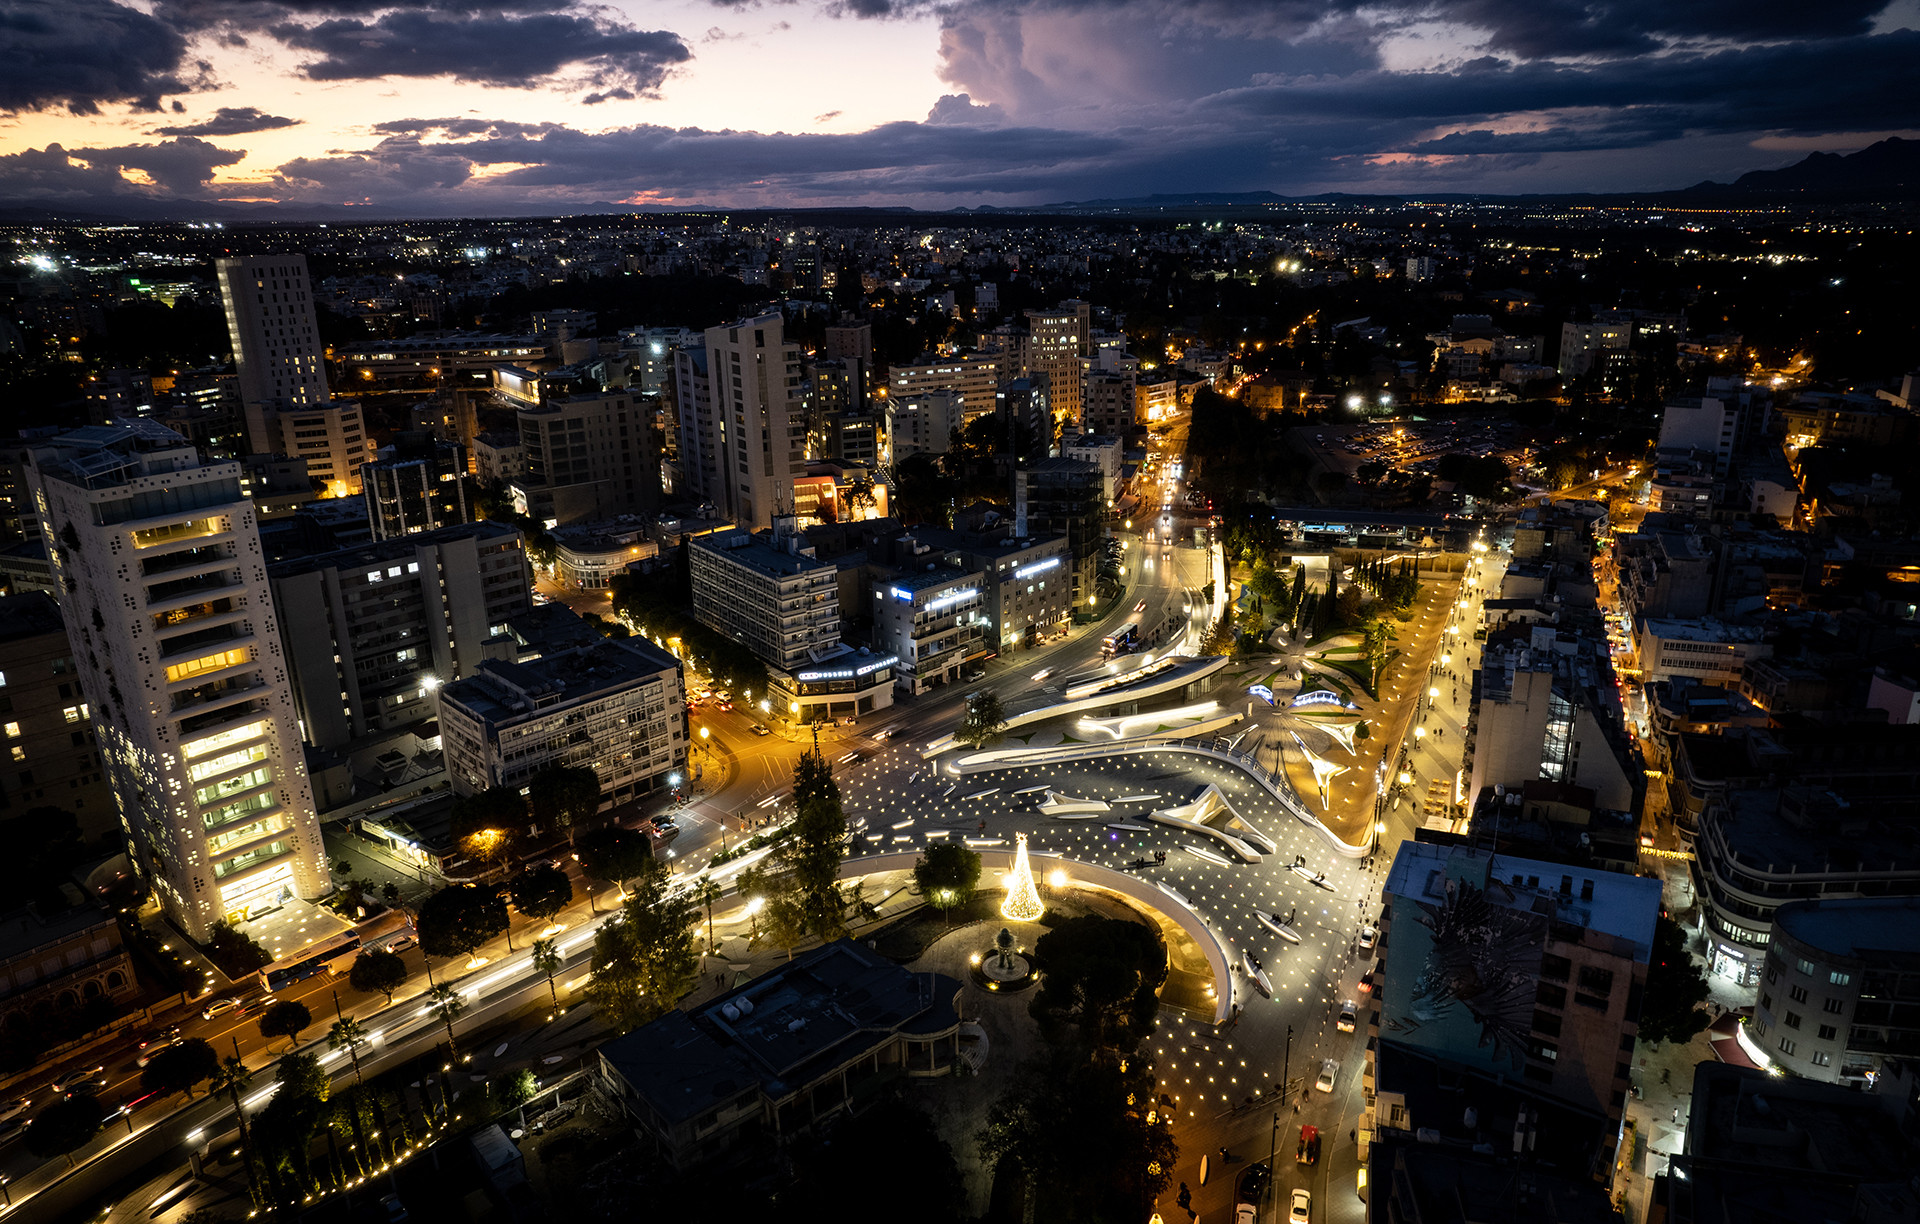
(758, 439)
(283, 377)
(164, 589)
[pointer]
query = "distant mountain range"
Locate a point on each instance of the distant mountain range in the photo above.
(1885, 171)
(1888, 169)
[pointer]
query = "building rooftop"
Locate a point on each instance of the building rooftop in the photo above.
(23, 930)
(33, 614)
(758, 553)
(394, 548)
(1703, 629)
(1864, 927)
(1623, 906)
(781, 1030)
(925, 579)
(499, 690)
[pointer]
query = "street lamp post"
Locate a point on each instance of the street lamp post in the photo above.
(1286, 1067)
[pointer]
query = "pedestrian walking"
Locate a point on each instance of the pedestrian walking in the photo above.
(1676, 1114)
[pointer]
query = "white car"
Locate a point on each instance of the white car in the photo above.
(1042, 674)
(1246, 1213)
(1367, 936)
(1329, 1072)
(14, 1108)
(1302, 1210)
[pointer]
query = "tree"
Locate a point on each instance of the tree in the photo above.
(446, 1003)
(379, 970)
(63, 1128)
(562, 796)
(348, 1034)
(705, 893)
(984, 722)
(487, 825)
(1378, 647)
(947, 873)
(644, 960)
(179, 1067)
(891, 1151)
(540, 892)
(458, 919)
(1670, 1006)
(1084, 1136)
(233, 1078)
(813, 854)
(1102, 974)
(517, 1089)
(614, 855)
(547, 962)
(285, 1019)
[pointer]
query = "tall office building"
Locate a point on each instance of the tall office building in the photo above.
(587, 456)
(371, 631)
(164, 587)
(422, 486)
(1056, 341)
(972, 377)
(283, 377)
(754, 441)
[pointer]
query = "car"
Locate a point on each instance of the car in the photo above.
(147, 1054)
(161, 1036)
(14, 1108)
(1366, 982)
(758, 729)
(219, 1007)
(12, 1129)
(1042, 674)
(1246, 1213)
(65, 1085)
(1329, 1072)
(883, 735)
(1253, 1184)
(392, 1210)
(1141, 606)
(1308, 1151)
(1347, 1017)
(1302, 1210)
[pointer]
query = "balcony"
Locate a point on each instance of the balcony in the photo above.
(197, 725)
(225, 632)
(216, 694)
(205, 611)
(204, 556)
(221, 579)
(252, 858)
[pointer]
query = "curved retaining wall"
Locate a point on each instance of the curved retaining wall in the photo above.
(1015, 758)
(1220, 957)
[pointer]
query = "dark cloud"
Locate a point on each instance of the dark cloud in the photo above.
(241, 15)
(231, 121)
(180, 166)
(614, 60)
(84, 54)
(57, 174)
(460, 128)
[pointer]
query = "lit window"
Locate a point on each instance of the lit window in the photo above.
(1840, 979)
(76, 713)
(19, 753)
(13, 730)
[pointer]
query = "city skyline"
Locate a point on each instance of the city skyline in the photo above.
(435, 107)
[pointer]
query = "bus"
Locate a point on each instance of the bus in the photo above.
(308, 961)
(1124, 640)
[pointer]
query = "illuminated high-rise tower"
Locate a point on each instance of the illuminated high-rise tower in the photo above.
(283, 376)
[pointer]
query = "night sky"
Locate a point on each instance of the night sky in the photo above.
(444, 107)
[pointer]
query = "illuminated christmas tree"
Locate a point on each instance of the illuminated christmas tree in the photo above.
(1023, 899)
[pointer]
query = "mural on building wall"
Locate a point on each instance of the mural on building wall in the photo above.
(1476, 966)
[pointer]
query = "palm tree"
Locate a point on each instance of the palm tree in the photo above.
(232, 1077)
(446, 1001)
(705, 893)
(348, 1034)
(547, 961)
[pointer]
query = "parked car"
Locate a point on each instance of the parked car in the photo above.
(11, 1109)
(1302, 1210)
(1253, 1184)
(1367, 936)
(1329, 1072)
(392, 1210)
(1347, 1017)
(65, 1085)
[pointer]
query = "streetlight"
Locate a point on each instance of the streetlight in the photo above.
(754, 906)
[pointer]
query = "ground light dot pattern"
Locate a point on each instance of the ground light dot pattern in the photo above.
(896, 799)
